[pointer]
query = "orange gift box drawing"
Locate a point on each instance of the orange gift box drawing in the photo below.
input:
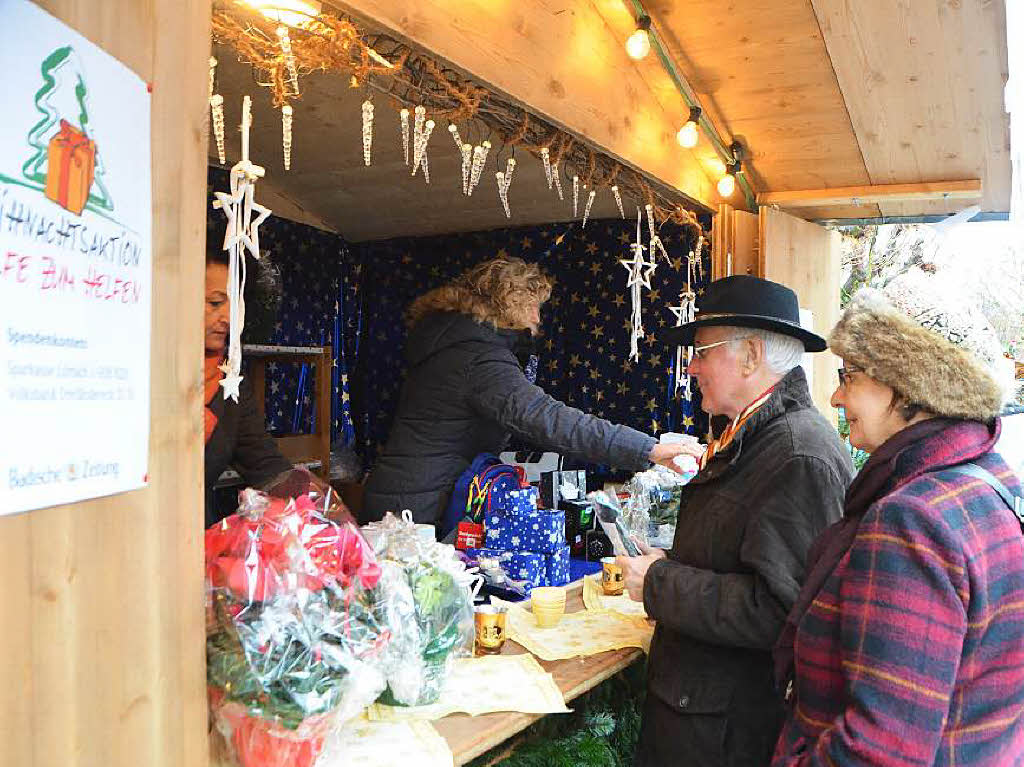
(70, 166)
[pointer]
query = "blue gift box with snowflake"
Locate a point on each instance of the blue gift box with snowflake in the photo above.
(556, 567)
(518, 565)
(541, 531)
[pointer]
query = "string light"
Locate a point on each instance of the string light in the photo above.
(557, 179)
(289, 59)
(425, 164)
(286, 135)
(727, 183)
(404, 114)
(213, 73)
(217, 118)
(618, 201)
(367, 132)
(575, 195)
(638, 44)
(688, 134)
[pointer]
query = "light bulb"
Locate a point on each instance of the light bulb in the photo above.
(687, 136)
(727, 185)
(638, 44)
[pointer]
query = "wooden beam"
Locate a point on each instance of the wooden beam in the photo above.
(859, 195)
(567, 64)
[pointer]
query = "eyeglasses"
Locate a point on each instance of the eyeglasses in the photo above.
(844, 374)
(700, 352)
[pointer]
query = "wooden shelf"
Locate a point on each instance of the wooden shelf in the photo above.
(306, 449)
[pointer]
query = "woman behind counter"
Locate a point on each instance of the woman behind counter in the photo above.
(465, 393)
(236, 435)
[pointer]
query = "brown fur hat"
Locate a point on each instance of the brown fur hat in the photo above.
(921, 365)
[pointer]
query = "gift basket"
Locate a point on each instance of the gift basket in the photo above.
(295, 644)
(426, 600)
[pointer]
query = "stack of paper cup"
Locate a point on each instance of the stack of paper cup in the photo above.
(548, 605)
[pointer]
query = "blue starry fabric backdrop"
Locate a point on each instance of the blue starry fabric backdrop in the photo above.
(352, 297)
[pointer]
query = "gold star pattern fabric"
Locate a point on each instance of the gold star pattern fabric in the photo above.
(586, 632)
(484, 685)
(594, 598)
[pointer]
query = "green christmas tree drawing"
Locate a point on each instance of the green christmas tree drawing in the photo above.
(34, 169)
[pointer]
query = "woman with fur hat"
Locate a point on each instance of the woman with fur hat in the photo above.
(906, 643)
(465, 391)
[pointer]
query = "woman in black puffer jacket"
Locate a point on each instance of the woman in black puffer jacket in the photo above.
(465, 393)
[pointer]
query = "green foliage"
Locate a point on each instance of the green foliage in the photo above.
(602, 731)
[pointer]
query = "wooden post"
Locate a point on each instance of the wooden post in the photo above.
(102, 651)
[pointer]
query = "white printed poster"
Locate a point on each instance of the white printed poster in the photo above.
(75, 266)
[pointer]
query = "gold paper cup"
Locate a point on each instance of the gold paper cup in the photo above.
(611, 577)
(490, 629)
(548, 604)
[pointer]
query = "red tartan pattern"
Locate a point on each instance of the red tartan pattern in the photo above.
(912, 653)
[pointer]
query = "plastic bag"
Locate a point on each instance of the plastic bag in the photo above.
(426, 600)
(294, 644)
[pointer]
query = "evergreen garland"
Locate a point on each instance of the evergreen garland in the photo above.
(602, 731)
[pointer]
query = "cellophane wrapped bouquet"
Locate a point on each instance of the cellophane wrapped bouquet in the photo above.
(427, 603)
(295, 645)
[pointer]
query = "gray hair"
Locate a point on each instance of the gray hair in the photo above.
(782, 353)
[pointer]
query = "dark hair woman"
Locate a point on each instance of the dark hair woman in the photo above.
(906, 643)
(465, 392)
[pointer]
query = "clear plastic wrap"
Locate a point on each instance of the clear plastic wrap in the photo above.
(426, 600)
(295, 645)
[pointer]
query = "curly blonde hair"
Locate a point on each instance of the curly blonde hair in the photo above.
(496, 292)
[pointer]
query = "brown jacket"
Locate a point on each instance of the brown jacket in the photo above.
(721, 595)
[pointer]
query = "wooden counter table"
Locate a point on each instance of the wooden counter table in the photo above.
(470, 736)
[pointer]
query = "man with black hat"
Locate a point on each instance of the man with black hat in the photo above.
(768, 485)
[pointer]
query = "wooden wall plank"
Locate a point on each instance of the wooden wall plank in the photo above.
(103, 642)
(805, 257)
(565, 61)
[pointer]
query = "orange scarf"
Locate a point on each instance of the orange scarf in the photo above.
(725, 439)
(211, 383)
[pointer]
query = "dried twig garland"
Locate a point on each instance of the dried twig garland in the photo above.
(329, 43)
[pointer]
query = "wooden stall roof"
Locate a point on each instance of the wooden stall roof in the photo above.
(824, 94)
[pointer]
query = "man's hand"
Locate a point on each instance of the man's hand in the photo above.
(663, 453)
(634, 569)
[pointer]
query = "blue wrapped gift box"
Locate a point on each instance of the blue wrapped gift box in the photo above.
(540, 531)
(519, 565)
(556, 567)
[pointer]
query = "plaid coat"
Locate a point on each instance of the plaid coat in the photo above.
(912, 653)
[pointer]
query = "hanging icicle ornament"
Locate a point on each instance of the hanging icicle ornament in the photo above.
(217, 118)
(286, 135)
(422, 128)
(503, 192)
(289, 60)
(240, 235)
(575, 195)
(213, 75)
(404, 114)
(479, 158)
(684, 314)
(700, 261)
(586, 210)
(425, 164)
(640, 271)
(557, 179)
(467, 162)
(656, 246)
(545, 157)
(618, 201)
(367, 132)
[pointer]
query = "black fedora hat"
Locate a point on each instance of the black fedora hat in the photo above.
(746, 302)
